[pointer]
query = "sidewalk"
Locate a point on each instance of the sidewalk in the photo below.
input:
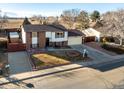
(50, 71)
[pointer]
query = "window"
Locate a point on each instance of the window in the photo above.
(14, 35)
(34, 34)
(59, 35)
(34, 39)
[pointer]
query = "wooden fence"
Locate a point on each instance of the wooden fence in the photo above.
(13, 47)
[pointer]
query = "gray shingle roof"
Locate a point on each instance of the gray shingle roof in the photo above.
(46, 28)
(74, 32)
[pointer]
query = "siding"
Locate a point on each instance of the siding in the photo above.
(74, 40)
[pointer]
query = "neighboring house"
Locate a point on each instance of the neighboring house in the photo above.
(41, 36)
(13, 35)
(91, 35)
(75, 37)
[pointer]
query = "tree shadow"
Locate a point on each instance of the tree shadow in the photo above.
(110, 65)
(20, 83)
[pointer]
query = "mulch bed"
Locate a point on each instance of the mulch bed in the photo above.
(62, 47)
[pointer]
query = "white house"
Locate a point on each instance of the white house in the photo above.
(92, 34)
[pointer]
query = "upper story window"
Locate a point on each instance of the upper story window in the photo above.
(34, 38)
(34, 34)
(59, 35)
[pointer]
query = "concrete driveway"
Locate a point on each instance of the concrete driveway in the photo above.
(93, 53)
(19, 62)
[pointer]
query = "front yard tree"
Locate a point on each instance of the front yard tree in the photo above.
(113, 24)
(69, 17)
(95, 16)
(83, 20)
(119, 24)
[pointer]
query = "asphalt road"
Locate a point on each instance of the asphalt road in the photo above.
(109, 65)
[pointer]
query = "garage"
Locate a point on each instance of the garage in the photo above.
(74, 40)
(90, 39)
(91, 35)
(74, 37)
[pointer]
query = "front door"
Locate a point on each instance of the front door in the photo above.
(47, 42)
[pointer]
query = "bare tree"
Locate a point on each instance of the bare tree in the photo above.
(83, 20)
(39, 18)
(118, 21)
(69, 17)
(113, 24)
(3, 20)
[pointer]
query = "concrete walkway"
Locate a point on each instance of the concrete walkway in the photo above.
(19, 62)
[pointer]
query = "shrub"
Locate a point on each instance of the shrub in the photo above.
(117, 50)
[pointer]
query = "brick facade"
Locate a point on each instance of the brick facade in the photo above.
(28, 40)
(41, 39)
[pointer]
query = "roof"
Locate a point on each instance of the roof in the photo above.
(74, 32)
(39, 28)
(13, 29)
(91, 32)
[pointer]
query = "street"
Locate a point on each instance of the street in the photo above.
(109, 65)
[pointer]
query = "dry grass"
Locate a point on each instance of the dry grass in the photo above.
(16, 23)
(44, 59)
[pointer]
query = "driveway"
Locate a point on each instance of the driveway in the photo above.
(93, 53)
(97, 45)
(19, 62)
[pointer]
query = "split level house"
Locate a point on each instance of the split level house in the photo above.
(42, 36)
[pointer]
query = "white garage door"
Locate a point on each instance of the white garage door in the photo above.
(75, 40)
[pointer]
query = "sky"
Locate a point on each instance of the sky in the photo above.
(54, 9)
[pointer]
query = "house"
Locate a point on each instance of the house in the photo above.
(91, 35)
(75, 37)
(41, 36)
(36, 36)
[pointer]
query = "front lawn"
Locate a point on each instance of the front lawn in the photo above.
(56, 58)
